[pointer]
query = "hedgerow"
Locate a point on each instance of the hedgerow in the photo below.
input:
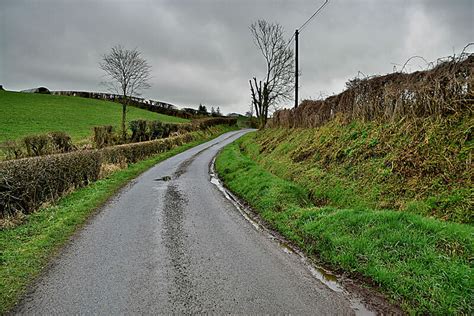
(440, 91)
(25, 184)
(28, 183)
(38, 145)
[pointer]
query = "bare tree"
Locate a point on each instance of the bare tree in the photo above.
(249, 113)
(129, 74)
(277, 85)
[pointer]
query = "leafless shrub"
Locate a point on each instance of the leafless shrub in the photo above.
(444, 89)
(61, 142)
(12, 149)
(103, 136)
(37, 145)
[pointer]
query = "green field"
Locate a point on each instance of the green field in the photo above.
(24, 114)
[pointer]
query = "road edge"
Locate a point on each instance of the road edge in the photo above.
(362, 296)
(12, 293)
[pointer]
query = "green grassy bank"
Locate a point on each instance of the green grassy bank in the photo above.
(27, 248)
(421, 166)
(23, 114)
(422, 263)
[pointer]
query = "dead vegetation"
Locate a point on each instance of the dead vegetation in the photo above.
(420, 165)
(442, 90)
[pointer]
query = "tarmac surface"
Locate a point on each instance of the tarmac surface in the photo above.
(171, 242)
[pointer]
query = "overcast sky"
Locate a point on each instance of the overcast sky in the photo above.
(202, 51)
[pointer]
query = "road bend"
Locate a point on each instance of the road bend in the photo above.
(170, 242)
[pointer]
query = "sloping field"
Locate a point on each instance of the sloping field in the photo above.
(24, 114)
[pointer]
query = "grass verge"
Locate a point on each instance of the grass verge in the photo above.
(423, 264)
(27, 248)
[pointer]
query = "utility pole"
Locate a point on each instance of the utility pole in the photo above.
(296, 68)
(297, 32)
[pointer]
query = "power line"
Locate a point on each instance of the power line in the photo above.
(311, 17)
(306, 23)
(295, 36)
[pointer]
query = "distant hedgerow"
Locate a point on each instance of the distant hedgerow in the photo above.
(28, 183)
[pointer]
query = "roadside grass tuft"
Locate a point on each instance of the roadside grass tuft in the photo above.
(27, 248)
(423, 264)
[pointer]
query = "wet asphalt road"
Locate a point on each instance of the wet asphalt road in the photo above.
(177, 246)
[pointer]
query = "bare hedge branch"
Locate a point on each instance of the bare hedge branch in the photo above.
(440, 91)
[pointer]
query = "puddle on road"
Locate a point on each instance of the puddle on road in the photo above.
(327, 278)
(324, 276)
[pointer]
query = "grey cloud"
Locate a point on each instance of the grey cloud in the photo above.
(202, 51)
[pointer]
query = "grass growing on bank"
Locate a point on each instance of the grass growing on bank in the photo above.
(421, 166)
(422, 263)
(27, 248)
(23, 114)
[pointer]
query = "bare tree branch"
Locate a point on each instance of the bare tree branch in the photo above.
(128, 74)
(277, 84)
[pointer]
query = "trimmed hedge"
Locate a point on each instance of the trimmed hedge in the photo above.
(144, 130)
(204, 123)
(103, 136)
(28, 183)
(38, 145)
(134, 152)
(25, 184)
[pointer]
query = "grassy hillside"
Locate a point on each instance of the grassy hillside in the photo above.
(421, 166)
(24, 114)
